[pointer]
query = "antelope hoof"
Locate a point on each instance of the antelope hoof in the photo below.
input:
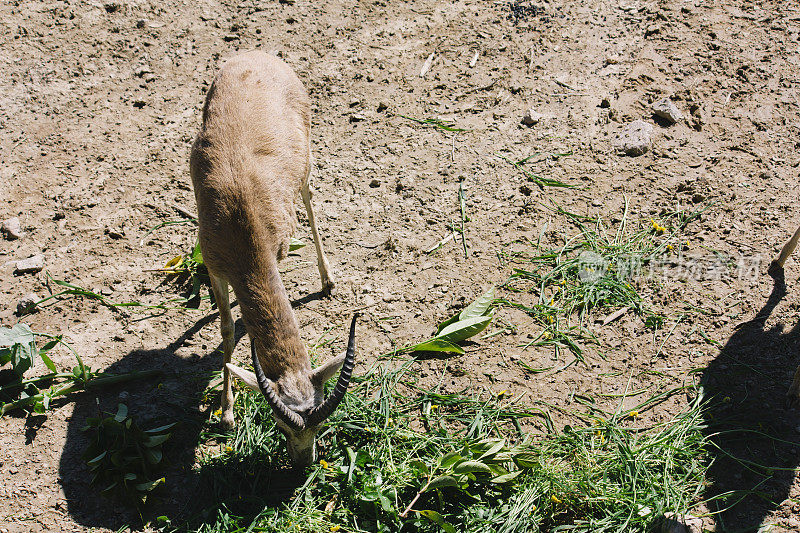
(327, 287)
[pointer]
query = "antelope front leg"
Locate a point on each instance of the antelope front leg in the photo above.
(220, 288)
(793, 396)
(322, 261)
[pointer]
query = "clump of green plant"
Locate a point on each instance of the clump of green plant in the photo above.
(125, 460)
(597, 270)
(18, 348)
(396, 457)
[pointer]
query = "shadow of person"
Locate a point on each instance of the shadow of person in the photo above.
(175, 396)
(754, 437)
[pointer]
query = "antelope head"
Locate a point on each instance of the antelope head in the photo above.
(297, 399)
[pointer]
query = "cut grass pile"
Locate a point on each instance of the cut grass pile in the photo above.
(395, 457)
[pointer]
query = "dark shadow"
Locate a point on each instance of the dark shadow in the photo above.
(32, 425)
(754, 435)
(319, 295)
(661, 121)
(175, 396)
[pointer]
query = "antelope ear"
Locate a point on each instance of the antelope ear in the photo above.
(327, 370)
(247, 377)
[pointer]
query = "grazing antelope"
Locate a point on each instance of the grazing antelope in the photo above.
(248, 162)
(793, 395)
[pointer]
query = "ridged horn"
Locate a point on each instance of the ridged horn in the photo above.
(324, 410)
(286, 415)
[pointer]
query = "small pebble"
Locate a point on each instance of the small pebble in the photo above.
(27, 303)
(667, 110)
(634, 139)
(531, 117)
(12, 229)
(30, 265)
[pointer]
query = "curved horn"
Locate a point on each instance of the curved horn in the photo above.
(286, 415)
(324, 410)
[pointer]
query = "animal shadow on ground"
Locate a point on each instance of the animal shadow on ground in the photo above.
(754, 436)
(192, 494)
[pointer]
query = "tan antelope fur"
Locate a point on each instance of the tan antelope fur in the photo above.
(248, 163)
(794, 390)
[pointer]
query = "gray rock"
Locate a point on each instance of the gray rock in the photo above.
(531, 117)
(634, 139)
(27, 304)
(12, 229)
(667, 110)
(30, 265)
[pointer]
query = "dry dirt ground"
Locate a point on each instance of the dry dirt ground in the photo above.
(99, 103)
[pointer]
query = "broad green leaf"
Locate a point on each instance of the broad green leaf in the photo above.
(505, 478)
(496, 447)
(464, 329)
(526, 460)
(436, 345)
(122, 412)
(465, 467)
(449, 459)
(18, 334)
(437, 519)
(156, 440)
(197, 254)
(17, 345)
(443, 481)
(47, 361)
(477, 308)
(160, 428)
(419, 466)
(97, 459)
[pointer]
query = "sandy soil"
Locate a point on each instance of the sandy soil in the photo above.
(99, 104)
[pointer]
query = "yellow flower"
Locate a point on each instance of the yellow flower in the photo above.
(218, 412)
(687, 244)
(324, 464)
(670, 247)
(533, 508)
(554, 499)
(563, 282)
(336, 528)
(633, 414)
(502, 393)
(228, 448)
(434, 407)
